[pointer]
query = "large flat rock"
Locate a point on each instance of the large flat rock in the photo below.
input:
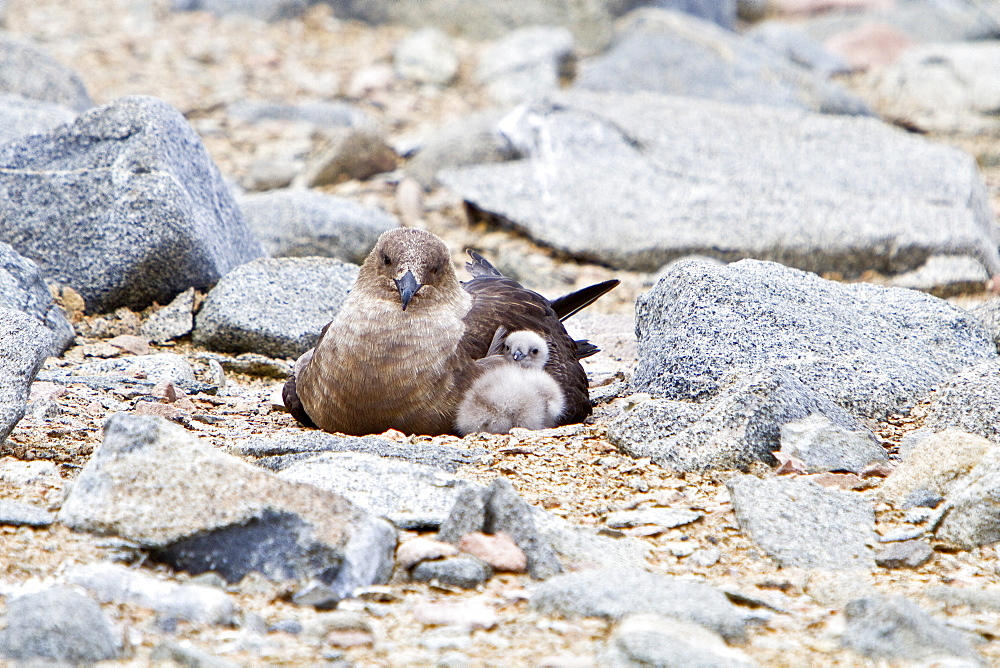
(198, 509)
(634, 181)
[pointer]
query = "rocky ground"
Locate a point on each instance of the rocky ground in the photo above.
(200, 64)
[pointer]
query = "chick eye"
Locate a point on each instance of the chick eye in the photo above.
(386, 260)
(534, 351)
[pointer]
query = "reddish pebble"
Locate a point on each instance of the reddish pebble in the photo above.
(871, 44)
(877, 470)
(136, 345)
(498, 550)
(163, 410)
(166, 390)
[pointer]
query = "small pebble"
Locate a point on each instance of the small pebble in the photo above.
(471, 615)
(904, 554)
(419, 549)
(498, 550)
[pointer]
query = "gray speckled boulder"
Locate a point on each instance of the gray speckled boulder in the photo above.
(22, 288)
(681, 176)
(57, 625)
(738, 426)
(969, 401)
(293, 299)
(677, 54)
(869, 349)
(24, 345)
(798, 523)
(304, 223)
(27, 70)
(199, 509)
(129, 183)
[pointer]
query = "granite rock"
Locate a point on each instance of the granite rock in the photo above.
(132, 184)
(301, 223)
(198, 509)
(677, 54)
(701, 184)
(869, 349)
(282, 449)
(613, 594)
(293, 298)
(740, 424)
(22, 288)
(412, 496)
(800, 524)
(24, 345)
(57, 625)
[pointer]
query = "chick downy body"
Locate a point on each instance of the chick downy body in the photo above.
(513, 389)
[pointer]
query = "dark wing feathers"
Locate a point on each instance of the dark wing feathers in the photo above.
(574, 302)
(498, 301)
(585, 348)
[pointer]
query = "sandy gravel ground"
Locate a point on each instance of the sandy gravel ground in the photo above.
(199, 64)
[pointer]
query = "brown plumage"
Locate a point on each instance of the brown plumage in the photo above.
(403, 348)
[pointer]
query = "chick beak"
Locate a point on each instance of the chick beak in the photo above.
(517, 355)
(407, 286)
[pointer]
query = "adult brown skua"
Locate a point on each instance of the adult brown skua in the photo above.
(402, 351)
